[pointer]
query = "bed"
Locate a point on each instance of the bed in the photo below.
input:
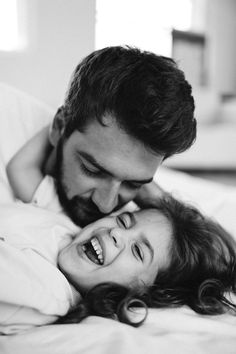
(172, 331)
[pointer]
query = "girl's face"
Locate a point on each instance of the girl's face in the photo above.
(128, 249)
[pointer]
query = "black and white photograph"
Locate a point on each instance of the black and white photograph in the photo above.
(117, 177)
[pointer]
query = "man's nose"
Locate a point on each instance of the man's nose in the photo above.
(106, 196)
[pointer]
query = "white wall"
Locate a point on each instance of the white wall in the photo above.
(221, 33)
(59, 34)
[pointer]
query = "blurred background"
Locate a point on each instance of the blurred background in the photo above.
(41, 42)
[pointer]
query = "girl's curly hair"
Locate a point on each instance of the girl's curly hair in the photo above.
(201, 273)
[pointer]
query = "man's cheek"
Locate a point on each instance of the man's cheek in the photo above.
(80, 186)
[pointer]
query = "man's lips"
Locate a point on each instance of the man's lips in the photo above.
(91, 209)
(94, 214)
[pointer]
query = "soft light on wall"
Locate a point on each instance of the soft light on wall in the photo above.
(11, 35)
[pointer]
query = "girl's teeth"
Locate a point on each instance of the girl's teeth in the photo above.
(97, 248)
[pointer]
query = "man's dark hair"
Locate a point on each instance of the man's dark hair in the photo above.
(146, 93)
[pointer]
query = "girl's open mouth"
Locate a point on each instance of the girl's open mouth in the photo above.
(94, 251)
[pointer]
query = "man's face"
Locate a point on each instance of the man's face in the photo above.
(101, 169)
(128, 249)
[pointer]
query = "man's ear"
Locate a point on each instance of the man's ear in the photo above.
(58, 126)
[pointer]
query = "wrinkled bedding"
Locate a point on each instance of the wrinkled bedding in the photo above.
(168, 331)
(165, 330)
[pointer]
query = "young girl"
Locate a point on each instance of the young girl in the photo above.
(168, 254)
(46, 262)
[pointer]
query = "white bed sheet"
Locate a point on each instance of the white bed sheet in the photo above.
(169, 331)
(165, 330)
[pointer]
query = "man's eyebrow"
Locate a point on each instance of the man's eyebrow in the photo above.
(93, 161)
(96, 164)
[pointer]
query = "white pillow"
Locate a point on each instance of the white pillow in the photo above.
(21, 116)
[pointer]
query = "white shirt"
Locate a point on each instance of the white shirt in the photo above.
(33, 290)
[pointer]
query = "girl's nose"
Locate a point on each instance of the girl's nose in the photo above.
(118, 237)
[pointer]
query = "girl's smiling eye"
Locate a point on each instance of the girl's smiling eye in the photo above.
(124, 220)
(138, 252)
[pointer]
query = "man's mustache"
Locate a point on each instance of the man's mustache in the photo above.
(86, 204)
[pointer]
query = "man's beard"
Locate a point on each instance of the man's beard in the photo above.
(82, 211)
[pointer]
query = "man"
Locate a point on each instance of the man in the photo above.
(124, 113)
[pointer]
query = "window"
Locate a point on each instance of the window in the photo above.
(10, 34)
(146, 24)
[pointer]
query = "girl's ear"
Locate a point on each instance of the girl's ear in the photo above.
(58, 126)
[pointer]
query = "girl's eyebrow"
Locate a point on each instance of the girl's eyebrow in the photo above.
(144, 238)
(132, 218)
(149, 246)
